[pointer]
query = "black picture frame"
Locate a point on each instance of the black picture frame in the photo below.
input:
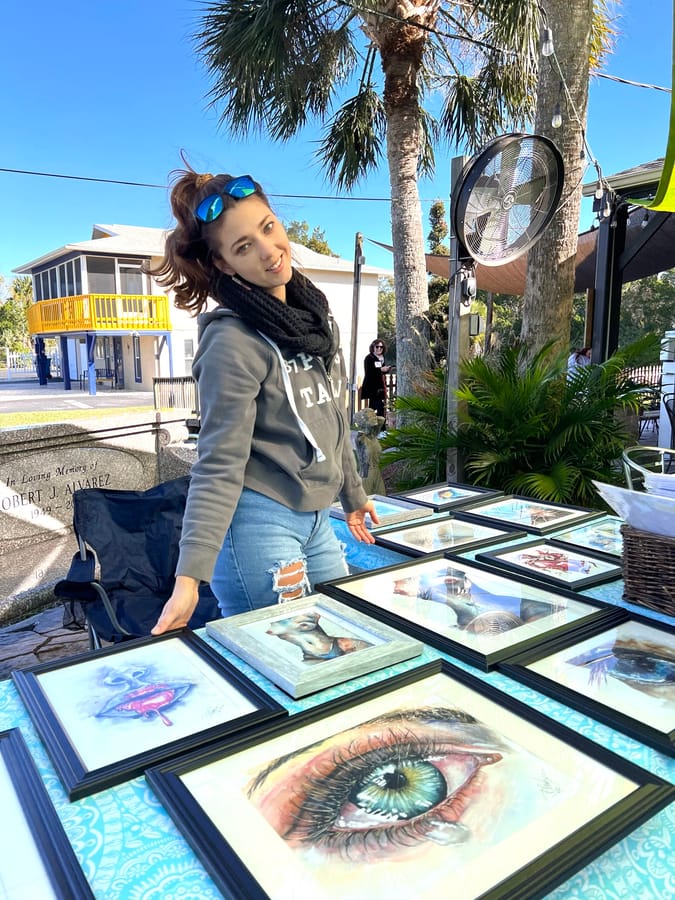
(599, 536)
(390, 511)
(444, 533)
(640, 716)
(458, 495)
(570, 567)
(49, 841)
(88, 723)
(198, 791)
(521, 512)
(511, 608)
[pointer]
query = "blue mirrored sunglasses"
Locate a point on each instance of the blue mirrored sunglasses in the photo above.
(212, 206)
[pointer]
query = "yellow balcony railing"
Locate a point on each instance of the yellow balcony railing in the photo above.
(99, 312)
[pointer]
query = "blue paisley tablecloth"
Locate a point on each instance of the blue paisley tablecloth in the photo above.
(130, 849)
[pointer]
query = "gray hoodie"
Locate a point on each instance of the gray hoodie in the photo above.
(279, 430)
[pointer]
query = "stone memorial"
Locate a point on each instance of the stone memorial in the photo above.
(41, 467)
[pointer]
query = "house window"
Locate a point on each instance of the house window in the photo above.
(138, 375)
(70, 279)
(131, 278)
(101, 273)
(78, 277)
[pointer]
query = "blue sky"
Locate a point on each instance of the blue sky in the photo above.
(115, 91)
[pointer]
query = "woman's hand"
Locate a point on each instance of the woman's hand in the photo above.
(179, 607)
(356, 522)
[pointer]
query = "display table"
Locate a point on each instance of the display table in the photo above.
(129, 847)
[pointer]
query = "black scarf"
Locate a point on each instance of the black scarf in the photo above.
(300, 324)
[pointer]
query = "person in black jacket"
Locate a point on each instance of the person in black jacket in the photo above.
(373, 389)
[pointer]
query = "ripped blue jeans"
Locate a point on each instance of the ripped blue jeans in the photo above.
(272, 553)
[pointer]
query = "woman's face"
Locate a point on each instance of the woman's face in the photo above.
(252, 243)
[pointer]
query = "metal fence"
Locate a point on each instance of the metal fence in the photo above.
(21, 365)
(175, 393)
(645, 375)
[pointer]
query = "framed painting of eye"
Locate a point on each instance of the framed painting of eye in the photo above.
(36, 858)
(106, 715)
(535, 516)
(437, 778)
(447, 495)
(469, 609)
(309, 644)
(623, 676)
(571, 567)
(451, 532)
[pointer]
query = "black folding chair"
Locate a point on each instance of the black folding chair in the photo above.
(123, 572)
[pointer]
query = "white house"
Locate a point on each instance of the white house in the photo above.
(115, 322)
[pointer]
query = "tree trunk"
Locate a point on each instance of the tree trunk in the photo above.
(547, 303)
(401, 49)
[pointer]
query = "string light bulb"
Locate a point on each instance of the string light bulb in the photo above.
(556, 121)
(547, 48)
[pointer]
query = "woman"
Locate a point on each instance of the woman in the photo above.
(274, 449)
(374, 389)
(578, 359)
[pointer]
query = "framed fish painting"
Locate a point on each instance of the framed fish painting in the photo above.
(623, 676)
(436, 779)
(104, 716)
(468, 609)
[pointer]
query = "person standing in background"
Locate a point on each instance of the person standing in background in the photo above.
(374, 388)
(578, 359)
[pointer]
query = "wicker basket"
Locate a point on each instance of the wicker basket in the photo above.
(649, 569)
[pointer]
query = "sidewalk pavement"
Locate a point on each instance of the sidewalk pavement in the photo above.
(39, 639)
(31, 396)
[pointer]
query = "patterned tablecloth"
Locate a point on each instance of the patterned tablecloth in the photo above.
(130, 849)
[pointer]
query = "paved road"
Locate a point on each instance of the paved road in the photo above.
(31, 396)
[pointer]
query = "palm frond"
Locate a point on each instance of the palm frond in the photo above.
(274, 64)
(353, 140)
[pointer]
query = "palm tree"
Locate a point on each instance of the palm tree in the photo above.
(276, 65)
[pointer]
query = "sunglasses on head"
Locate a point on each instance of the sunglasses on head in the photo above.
(213, 205)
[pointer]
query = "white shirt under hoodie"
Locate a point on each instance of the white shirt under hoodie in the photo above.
(272, 421)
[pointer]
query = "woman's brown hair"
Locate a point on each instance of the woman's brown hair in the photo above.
(187, 266)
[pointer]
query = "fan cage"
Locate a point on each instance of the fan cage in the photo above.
(506, 197)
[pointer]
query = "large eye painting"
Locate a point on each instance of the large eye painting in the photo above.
(397, 783)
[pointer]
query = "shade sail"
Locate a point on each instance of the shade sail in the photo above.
(656, 255)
